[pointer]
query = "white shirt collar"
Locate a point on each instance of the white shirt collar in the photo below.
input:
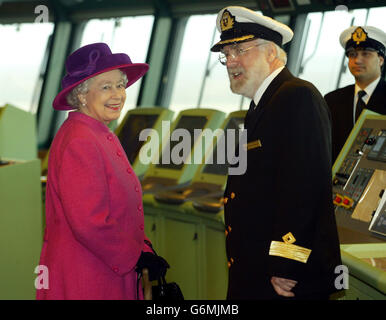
(267, 81)
(369, 90)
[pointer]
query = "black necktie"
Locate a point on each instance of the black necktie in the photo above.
(360, 104)
(249, 113)
(252, 106)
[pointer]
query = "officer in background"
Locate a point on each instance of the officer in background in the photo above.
(365, 49)
(281, 235)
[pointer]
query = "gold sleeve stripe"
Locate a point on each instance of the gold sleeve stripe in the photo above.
(289, 250)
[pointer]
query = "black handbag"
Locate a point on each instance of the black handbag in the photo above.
(165, 291)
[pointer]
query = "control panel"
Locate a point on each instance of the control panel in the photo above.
(359, 175)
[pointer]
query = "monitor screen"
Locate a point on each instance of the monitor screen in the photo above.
(379, 144)
(213, 167)
(129, 135)
(189, 123)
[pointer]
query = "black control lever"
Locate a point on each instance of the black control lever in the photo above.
(340, 179)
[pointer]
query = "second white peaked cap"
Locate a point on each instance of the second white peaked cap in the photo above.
(363, 37)
(239, 24)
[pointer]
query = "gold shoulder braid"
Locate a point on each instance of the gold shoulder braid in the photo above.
(289, 250)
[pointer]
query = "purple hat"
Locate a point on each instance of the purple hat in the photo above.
(91, 60)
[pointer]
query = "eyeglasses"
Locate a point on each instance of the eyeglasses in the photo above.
(234, 52)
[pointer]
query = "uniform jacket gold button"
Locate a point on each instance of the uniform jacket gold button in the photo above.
(233, 195)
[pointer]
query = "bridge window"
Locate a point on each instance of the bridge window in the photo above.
(23, 58)
(201, 80)
(323, 60)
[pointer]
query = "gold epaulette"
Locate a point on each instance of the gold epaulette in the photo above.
(288, 250)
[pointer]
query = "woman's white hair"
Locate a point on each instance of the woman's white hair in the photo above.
(82, 88)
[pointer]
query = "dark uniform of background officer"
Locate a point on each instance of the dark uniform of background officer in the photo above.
(365, 49)
(281, 232)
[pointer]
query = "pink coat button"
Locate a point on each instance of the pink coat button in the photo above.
(128, 170)
(141, 226)
(110, 137)
(119, 153)
(139, 207)
(115, 269)
(136, 189)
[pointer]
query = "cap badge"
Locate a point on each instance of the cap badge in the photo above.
(227, 21)
(359, 35)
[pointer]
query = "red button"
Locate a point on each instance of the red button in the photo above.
(119, 153)
(109, 137)
(139, 207)
(338, 199)
(115, 269)
(346, 201)
(136, 189)
(128, 170)
(141, 227)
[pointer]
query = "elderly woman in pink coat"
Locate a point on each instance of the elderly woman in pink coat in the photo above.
(94, 240)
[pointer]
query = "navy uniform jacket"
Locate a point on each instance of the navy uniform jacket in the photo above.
(286, 188)
(341, 102)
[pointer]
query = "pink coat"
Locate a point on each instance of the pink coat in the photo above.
(94, 215)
